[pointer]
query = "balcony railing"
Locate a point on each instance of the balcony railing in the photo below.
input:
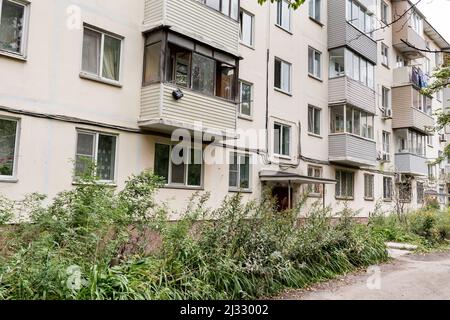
(160, 111)
(348, 149)
(410, 75)
(410, 163)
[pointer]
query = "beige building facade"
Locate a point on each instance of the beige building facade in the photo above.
(324, 99)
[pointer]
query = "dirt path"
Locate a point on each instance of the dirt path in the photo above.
(408, 277)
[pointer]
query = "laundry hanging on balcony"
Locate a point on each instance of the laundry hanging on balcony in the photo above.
(419, 78)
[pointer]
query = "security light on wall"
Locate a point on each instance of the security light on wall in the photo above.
(177, 94)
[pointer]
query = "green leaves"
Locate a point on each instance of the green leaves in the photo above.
(295, 4)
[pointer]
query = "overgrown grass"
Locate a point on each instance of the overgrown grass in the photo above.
(429, 228)
(81, 247)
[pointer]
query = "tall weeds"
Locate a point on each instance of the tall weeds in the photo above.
(79, 247)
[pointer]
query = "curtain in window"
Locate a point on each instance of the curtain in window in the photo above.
(203, 74)
(91, 51)
(111, 58)
(7, 146)
(106, 155)
(11, 26)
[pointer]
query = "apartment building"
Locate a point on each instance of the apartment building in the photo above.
(323, 100)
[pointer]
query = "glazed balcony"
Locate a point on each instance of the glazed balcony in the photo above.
(196, 20)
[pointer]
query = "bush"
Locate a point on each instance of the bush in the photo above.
(77, 248)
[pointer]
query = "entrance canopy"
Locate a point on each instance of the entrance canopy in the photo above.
(269, 175)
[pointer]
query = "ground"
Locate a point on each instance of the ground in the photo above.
(410, 276)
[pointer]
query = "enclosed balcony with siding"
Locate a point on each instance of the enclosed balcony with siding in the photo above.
(212, 22)
(351, 141)
(410, 156)
(411, 109)
(350, 23)
(407, 32)
(188, 85)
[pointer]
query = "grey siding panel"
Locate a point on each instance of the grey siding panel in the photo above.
(404, 115)
(150, 102)
(361, 43)
(195, 20)
(213, 113)
(346, 90)
(153, 12)
(341, 33)
(350, 149)
(410, 163)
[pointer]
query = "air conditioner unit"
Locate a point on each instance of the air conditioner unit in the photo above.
(388, 113)
(386, 157)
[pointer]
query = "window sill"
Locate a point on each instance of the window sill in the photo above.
(8, 180)
(314, 77)
(386, 66)
(369, 199)
(314, 195)
(100, 183)
(315, 135)
(283, 92)
(181, 187)
(11, 55)
(345, 198)
(251, 47)
(91, 77)
(316, 21)
(244, 191)
(387, 200)
(283, 157)
(244, 117)
(284, 29)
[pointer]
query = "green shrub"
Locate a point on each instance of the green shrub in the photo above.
(77, 248)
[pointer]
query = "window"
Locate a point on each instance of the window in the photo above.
(8, 146)
(387, 188)
(282, 75)
(345, 62)
(13, 26)
(384, 55)
(417, 23)
(314, 120)
(96, 149)
(101, 54)
(385, 100)
(430, 141)
(409, 141)
(187, 64)
(314, 9)
(247, 25)
(401, 62)
(422, 102)
(314, 63)
(282, 139)
(203, 74)
(152, 65)
(386, 141)
(314, 189)
(438, 59)
(179, 166)
(344, 186)
(227, 7)
(356, 122)
(431, 171)
(404, 191)
(284, 15)
(427, 66)
(368, 186)
(358, 16)
(384, 12)
(420, 192)
(239, 171)
(246, 100)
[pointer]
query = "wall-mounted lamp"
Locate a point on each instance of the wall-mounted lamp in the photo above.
(177, 94)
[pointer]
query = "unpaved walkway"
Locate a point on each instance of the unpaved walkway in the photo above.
(408, 277)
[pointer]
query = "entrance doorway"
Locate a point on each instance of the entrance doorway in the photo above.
(282, 194)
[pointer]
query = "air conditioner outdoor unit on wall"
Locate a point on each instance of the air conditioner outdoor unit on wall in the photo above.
(388, 113)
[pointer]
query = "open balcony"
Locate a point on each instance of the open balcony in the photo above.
(196, 20)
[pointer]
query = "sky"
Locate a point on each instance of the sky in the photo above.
(438, 14)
